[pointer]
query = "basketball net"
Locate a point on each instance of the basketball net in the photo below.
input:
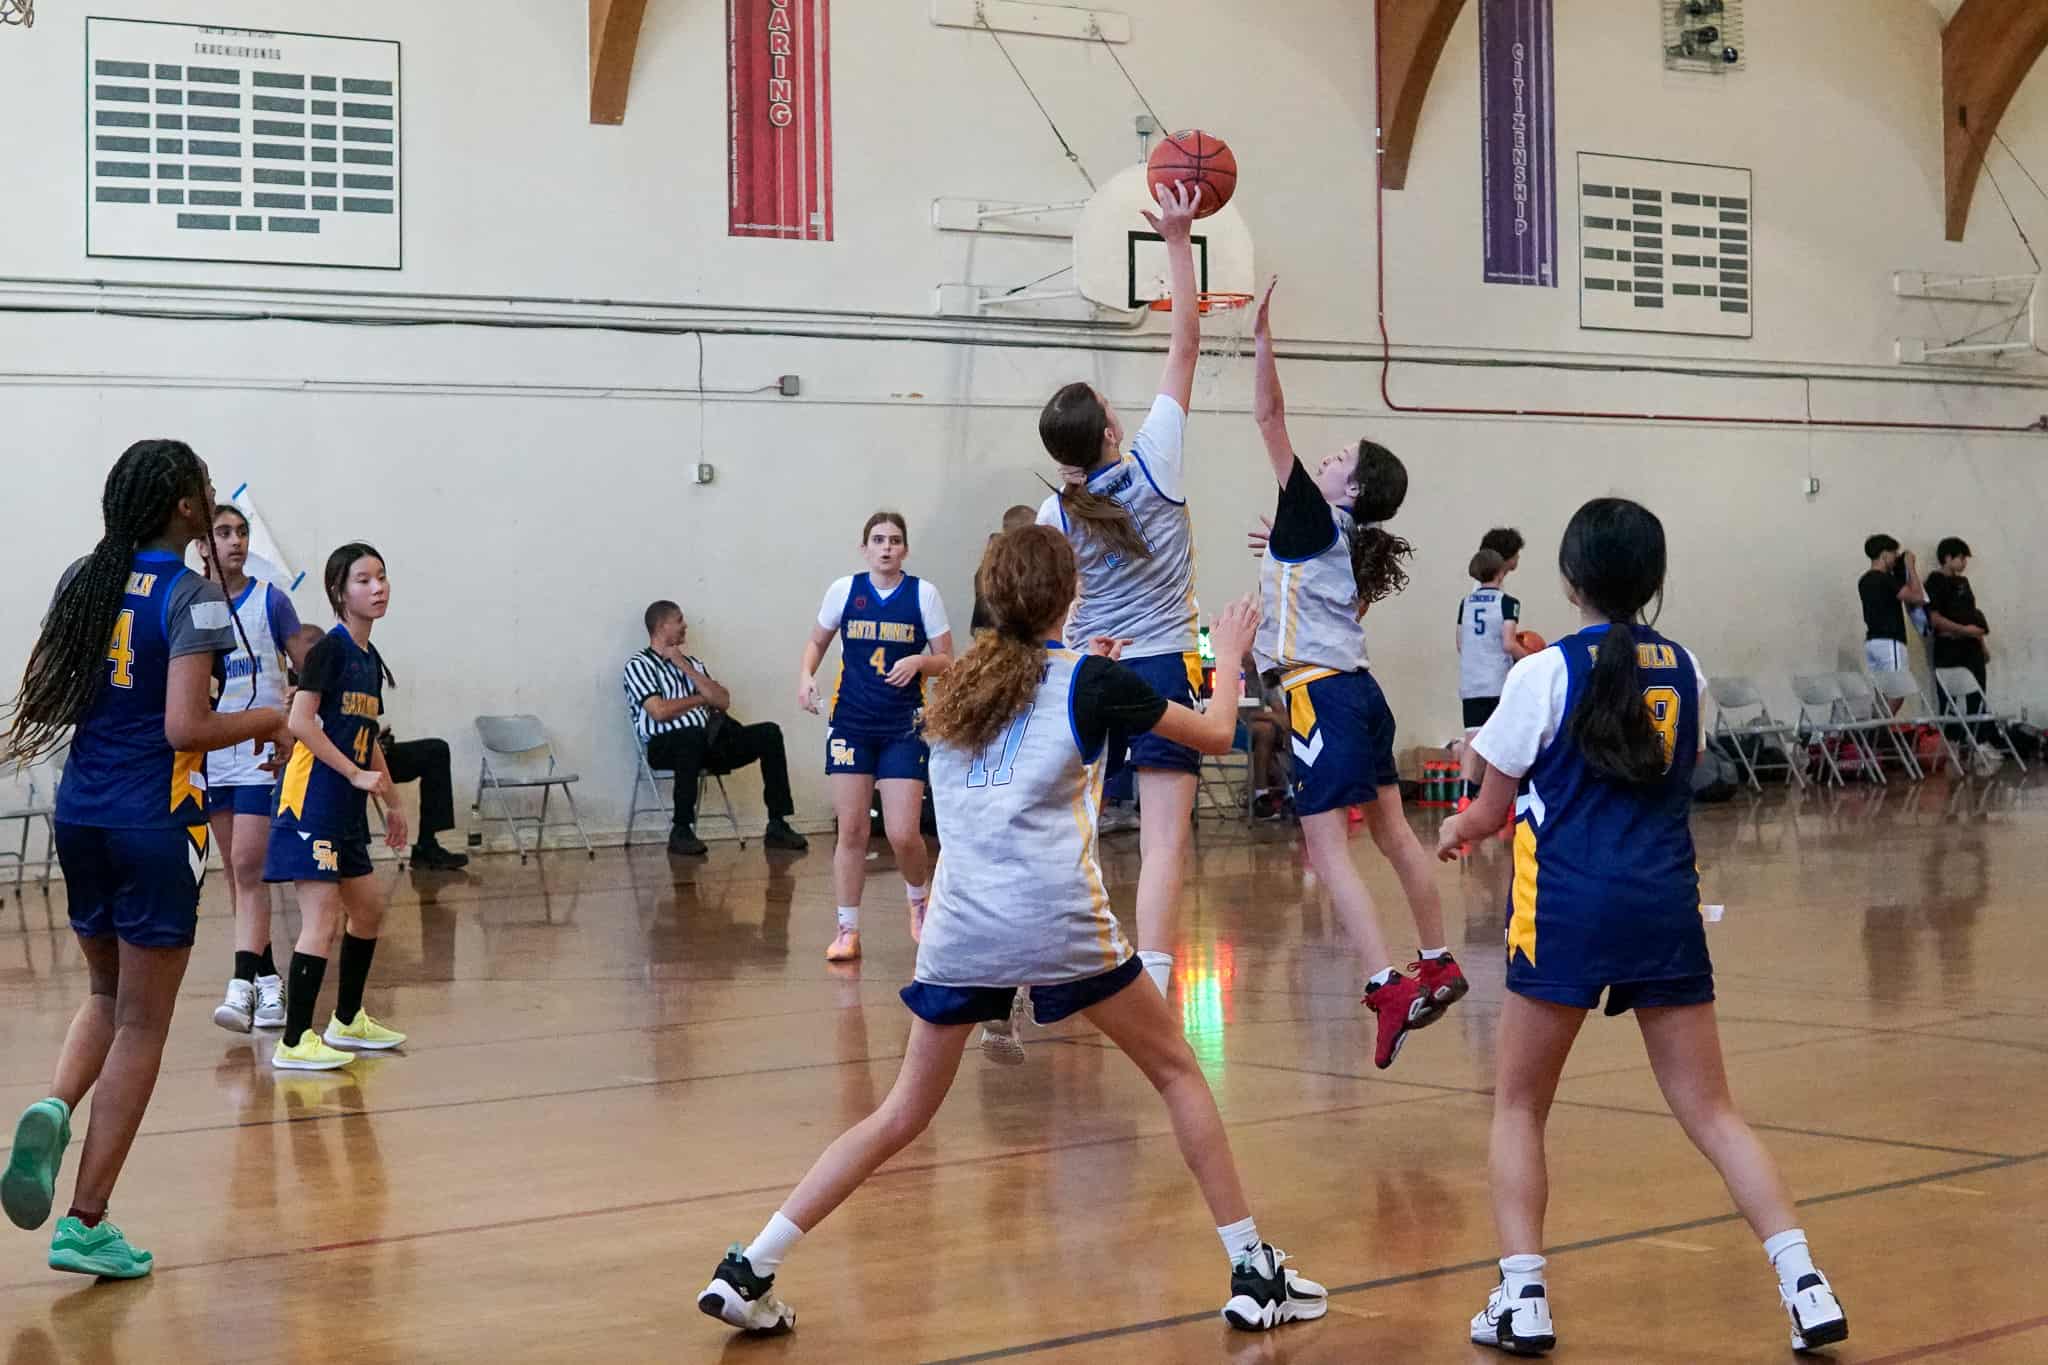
(22, 12)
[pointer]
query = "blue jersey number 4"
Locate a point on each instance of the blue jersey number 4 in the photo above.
(1005, 755)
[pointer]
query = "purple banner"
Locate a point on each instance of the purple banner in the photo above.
(1517, 142)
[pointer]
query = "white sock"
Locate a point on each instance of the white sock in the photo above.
(1240, 1239)
(1516, 1271)
(849, 917)
(776, 1241)
(1432, 954)
(1381, 977)
(917, 894)
(1158, 966)
(1790, 1258)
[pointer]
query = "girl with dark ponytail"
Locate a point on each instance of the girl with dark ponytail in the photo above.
(128, 666)
(1593, 746)
(1020, 731)
(1124, 511)
(1328, 560)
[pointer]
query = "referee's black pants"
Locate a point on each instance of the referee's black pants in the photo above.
(425, 761)
(730, 746)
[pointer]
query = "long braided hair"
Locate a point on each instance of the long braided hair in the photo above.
(68, 666)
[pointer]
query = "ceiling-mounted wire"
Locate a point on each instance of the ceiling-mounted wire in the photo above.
(1065, 146)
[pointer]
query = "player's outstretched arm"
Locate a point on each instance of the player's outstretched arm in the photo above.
(1178, 200)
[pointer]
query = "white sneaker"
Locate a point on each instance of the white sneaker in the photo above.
(1521, 1326)
(999, 1042)
(1817, 1316)
(233, 1013)
(269, 1002)
(1264, 1293)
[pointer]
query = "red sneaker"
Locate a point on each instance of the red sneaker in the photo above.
(1442, 981)
(1401, 1006)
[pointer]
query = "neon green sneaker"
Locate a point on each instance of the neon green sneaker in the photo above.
(365, 1033)
(30, 1185)
(103, 1250)
(308, 1054)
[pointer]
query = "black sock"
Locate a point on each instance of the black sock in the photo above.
(308, 972)
(266, 965)
(91, 1220)
(428, 841)
(246, 965)
(355, 970)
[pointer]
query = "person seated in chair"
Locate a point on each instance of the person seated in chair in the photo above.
(680, 714)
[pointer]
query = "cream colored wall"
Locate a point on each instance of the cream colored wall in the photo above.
(531, 488)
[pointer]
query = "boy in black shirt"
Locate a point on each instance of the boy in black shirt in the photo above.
(1959, 628)
(1893, 580)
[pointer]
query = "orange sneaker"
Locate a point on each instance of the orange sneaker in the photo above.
(845, 948)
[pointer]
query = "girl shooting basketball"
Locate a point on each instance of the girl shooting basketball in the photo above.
(128, 662)
(1329, 559)
(1019, 735)
(320, 838)
(241, 783)
(893, 635)
(1593, 747)
(1126, 516)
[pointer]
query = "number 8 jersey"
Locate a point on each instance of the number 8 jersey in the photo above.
(313, 797)
(1018, 897)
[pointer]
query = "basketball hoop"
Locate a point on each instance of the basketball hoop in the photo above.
(22, 12)
(1207, 302)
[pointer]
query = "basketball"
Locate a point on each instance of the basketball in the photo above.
(1531, 641)
(1195, 155)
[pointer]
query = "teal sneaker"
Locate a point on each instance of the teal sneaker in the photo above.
(30, 1184)
(103, 1250)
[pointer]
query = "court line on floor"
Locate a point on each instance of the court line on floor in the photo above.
(1488, 1264)
(890, 1172)
(1936, 1348)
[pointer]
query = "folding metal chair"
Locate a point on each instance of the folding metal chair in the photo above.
(1956, 687)
(520, 744)
(1824, 723)
(1914, 709)
(1865, 705)
(650, 779)
(1734, 695)
(39, 798)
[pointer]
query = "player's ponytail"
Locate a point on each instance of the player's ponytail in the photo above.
(1072, 427)
(1376, 553)
(68, 666)
(1613, 557)
(1027, 580)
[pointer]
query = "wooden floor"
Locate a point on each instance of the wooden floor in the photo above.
(620, 1066)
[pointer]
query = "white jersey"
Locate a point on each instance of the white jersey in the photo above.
(1483, 624)
(1309, 608)
(263, 660)
(1151, 601)
(1018, 898)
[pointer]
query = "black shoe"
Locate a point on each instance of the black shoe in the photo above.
(781, 836)
(684, 843)
(430, 855)
(740, 1298)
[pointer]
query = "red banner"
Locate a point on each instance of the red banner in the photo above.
(779, 93)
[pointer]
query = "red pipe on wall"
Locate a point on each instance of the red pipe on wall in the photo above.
(1387, 345)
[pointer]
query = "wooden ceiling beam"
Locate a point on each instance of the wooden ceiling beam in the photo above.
(1412, 34)
(614, 36)
(1986, 51)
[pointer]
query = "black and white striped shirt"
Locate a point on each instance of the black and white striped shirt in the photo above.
(646, 675)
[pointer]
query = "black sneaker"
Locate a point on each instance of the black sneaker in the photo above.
(684, 843)
(780, 836)
(739, 1298)
(1264, 1293)
(435, 858)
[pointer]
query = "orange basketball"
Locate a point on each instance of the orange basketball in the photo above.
(1198, 157)
(1531, 641)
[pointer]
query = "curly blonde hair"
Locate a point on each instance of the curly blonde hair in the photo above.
(1027, 579)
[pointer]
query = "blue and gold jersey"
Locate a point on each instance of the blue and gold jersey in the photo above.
(122, 773)
(875, 634)
(350, 680)
(1606, 887)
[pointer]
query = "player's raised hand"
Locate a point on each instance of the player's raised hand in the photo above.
(1178, 200)
(1259, 537)
(1262, 324)
(1234, 628)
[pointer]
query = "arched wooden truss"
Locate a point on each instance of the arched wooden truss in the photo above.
(614, 34)
(1412, 34)
(1986, 51)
